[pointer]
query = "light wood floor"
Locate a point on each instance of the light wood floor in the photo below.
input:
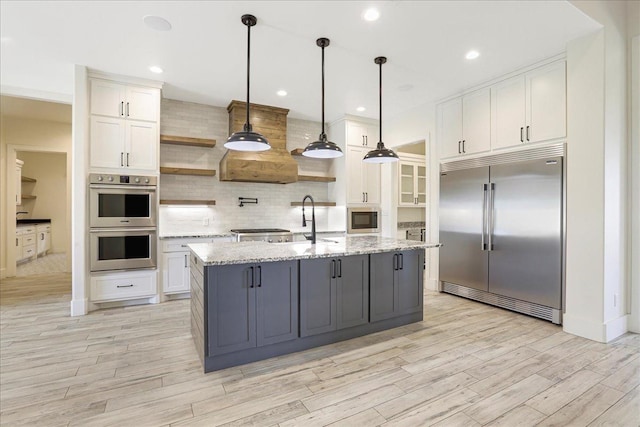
(467, 364)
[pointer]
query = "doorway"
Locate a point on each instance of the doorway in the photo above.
(42, 213)
(39, 134)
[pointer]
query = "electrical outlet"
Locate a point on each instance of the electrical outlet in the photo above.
(205, 221)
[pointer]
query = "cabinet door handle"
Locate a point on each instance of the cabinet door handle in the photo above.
(41, 236)
(395, 262)
(363, 197)
(127, 159)
(333, 269)
(401, 256)
(121, 158)
(124, 286)
(127, 109)
(463, 150)
(521, 137)
(366, 197)
(16, 241)
(527, 133)
(339, 268)
(259, 283)
(185, 260)
(459, 151)
(251, 277)
(121, 108)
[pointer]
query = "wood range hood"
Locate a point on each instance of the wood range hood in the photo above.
(272, 166)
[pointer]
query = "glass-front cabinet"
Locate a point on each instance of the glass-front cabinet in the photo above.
(412, 178)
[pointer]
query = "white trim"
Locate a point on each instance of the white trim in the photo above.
(78, 307)
(555, 58)
(40, 95)
(95, 74)
(585, 328)
(634, 172)
(615, 328)
(432, 285)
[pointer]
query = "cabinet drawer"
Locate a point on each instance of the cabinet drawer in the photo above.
(43, 228)
(28, 251)
(29, 239)
(123, 286)
(21, 231)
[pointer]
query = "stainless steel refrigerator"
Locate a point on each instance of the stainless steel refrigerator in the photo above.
(501, 225)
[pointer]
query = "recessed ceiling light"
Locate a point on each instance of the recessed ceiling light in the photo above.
(472, 54)
(281, 92)
(157, 23)
(371, 14)
(361, 109)
(155, 69)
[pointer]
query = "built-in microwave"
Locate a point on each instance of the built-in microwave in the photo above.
(122, 201)
(363, 220)
(122, 248)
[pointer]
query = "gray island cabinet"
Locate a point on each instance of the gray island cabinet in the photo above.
(255, 300)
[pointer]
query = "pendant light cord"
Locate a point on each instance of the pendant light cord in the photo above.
(247, 126)
(323, 90)
(380, 121)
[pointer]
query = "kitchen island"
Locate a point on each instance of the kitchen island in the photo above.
(255, 300)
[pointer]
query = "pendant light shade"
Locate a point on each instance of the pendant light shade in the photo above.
(322, 148)
(381, 154)
(247, 139)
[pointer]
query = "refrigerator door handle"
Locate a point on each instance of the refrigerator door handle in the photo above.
(483, 243)
(490, 210)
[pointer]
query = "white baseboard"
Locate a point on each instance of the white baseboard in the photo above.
(616, 327)
(432, 284)
(79, 307)
(596, 331)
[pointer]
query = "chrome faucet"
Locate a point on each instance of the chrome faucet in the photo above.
(313, 218)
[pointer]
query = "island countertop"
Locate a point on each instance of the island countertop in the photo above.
(253, 252)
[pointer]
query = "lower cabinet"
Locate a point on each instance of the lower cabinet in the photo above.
(117, 286)
(334, 294)
(251, 305)
(396, 284)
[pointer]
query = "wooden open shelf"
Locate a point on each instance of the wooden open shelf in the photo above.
(187, 171)
(308, 205)
(184, 140)
(27, 179)
(316, 178)
(188, 202)
(28, 197)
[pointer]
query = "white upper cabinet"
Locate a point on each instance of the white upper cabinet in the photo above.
(464, 124)
(124, 127)
(363, 179)
(362, 135)
(530, 107)
(130, 102)
(412, 179)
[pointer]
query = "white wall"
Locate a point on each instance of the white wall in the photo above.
(51, 191)
(25, 135)
(417, 125)
(596, 288)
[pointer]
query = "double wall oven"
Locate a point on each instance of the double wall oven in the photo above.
(123, 223)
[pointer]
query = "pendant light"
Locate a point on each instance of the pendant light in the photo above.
(380, 154)
(322, 148)
(247, 139)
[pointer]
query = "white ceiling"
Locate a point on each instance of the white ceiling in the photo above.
(204, 55)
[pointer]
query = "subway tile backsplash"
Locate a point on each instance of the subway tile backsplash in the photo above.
(274, 200)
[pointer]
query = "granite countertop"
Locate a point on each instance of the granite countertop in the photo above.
(204, 234)
(249, 252)
(194, 234)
